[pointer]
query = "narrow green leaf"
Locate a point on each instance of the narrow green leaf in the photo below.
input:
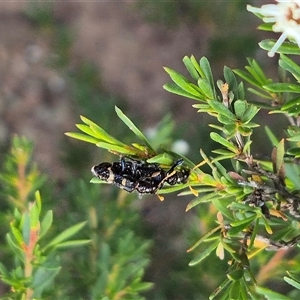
(273, 139)
(132, 127)
(46, 223)
(42, 278)
(285, 48)
(292, 282)
(220, 288)
(225, 120)
(72, 244)
(181, 81)
(280, 156)
(175, 89)
(197, 66)
(239, 225)
(244, 75)
(258, 72)
(205, 67)
(86, 129)
(205, 88)
(19, 252)
(287, 64)
(202, 199)
(26, 228)
(249, 113)
(87, 121)
(263, 95)
(17, 234)
(236, 286)
(219, 139)
(221, 109)
(103, 135)
(190, 67)
(240, 107)
(162, 159)
(230, 78)
(119, 149)
(291, 103)
(269, 294)
(204, 254)
(82, 137)
(66, 234)
(204, 237)
(281, 87)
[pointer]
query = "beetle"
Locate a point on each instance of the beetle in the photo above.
(134, 175)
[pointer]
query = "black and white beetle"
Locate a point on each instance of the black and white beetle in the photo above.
(133, 175)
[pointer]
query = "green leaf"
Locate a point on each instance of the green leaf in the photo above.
(46, 223)
(103, 135)
(26, 228)
(287, 64)
(280, 87)
(285, 48)
(15, 248)
(71, 244)
(17, 234)
(240, 107)
(175, 89)
(292, 282)
(220, 288)
(85, 128)
(132, 127)
(42, 278)
(205, 67)
(97, 180)
(240, 225)
(257, 71)
(191, 68)
(225, 120)
(271, 136)
(230, 78)
(280, 156)
(182, 82)
(221, 109)
(205, 88)
(261, 95)
(202, 199)
(204, 237)
(250, 113)
(204, 254)
(119, 149)
(66, 234)
(162, 159)
(82, 137)
(291, 103)
(269, 294)
(197, 66)
(244, 75)
(219, 139)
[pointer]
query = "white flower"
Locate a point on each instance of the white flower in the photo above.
(181, 147)
(286, 18)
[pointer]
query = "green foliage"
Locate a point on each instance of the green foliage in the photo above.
(36, 263)
(257, 201)
(251, 205)
(36, 255)
(269, 187)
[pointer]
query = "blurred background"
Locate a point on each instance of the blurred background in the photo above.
(62, 59)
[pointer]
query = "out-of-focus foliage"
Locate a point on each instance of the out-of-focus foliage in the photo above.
(244, 205)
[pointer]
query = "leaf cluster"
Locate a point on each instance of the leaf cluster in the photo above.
(257, 201)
